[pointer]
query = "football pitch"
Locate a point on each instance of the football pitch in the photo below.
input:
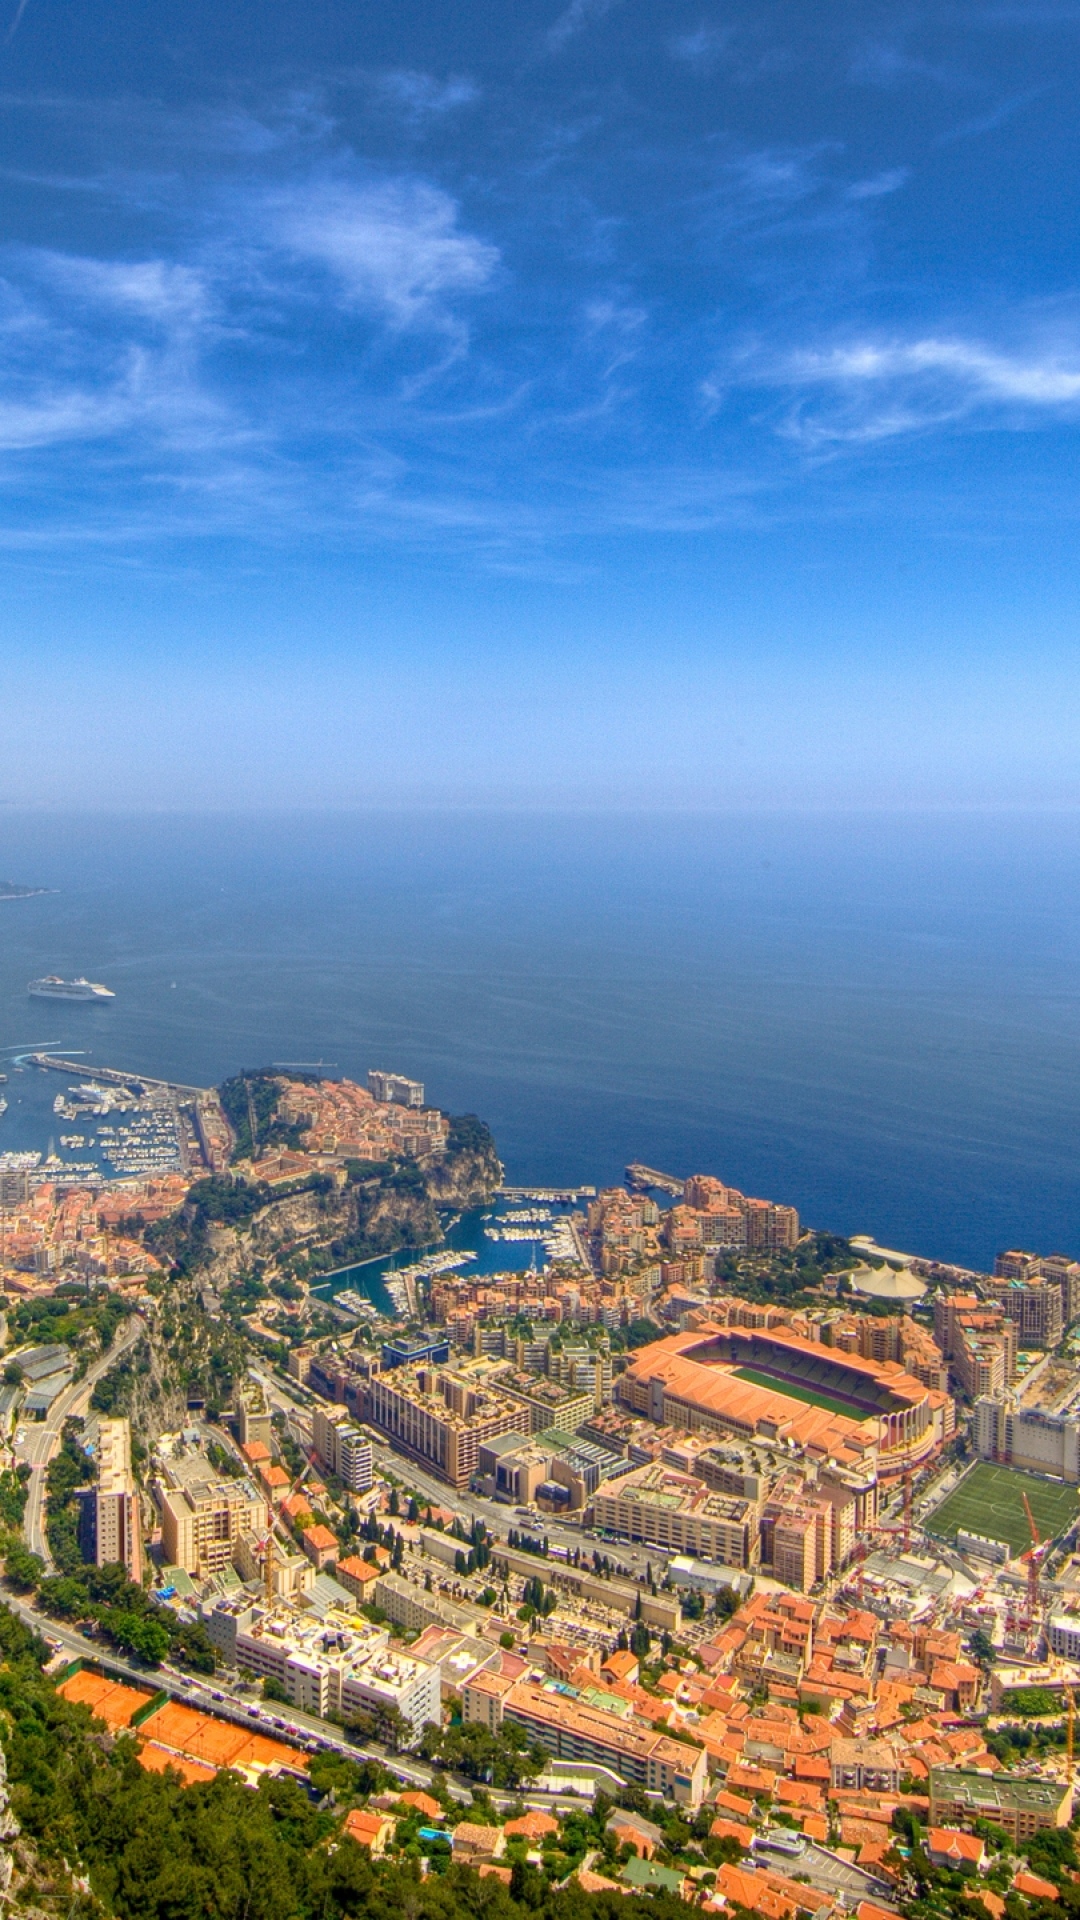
(989, 1502)
(809, 1395)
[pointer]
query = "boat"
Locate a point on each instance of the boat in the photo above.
(53, 988)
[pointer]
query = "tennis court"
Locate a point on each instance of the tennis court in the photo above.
(200, 1736)
(156, 1759)
(108, 1700)
(990, 1501)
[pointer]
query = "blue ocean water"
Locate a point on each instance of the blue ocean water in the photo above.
(874, 1017)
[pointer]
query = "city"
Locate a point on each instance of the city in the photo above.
(761, 1539)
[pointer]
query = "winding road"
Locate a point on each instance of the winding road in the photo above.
(42, 1440)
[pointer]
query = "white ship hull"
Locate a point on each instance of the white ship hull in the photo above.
(53, 988)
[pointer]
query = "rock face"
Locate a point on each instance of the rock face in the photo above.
(9, 1829)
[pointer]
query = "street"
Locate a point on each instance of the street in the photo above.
(214, 1695)
(497, 1517)
(42, 1439)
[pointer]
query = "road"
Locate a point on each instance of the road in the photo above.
(496, 1517)
(216, 1696)
(42, 1439)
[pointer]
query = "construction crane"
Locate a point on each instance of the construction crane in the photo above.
(907, 1509)
(1071, 1709)
(1032, 1558)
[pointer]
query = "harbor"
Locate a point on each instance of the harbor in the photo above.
(495, 1240)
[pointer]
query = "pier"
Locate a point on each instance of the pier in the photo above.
(639, 1176)
(566, 1196)
(111, 1076)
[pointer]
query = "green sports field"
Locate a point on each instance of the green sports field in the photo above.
(808, 1395)
(989, 1502)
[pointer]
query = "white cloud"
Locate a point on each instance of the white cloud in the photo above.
(615, 314)
(887, 388)
(394, 245)
(994, 376)
(878, 184)
(423, 97)
(578, 15)
(171, 296)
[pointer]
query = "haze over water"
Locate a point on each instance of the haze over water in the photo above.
(873, 1017)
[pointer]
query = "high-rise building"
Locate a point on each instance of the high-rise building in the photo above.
(440, 1415)
(1027, 1437)
(1035, 1306)
(342, 1448)
(252, 1420)
(204, 1516)
(110, 1529)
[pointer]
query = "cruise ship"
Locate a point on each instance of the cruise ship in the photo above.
(53, 988)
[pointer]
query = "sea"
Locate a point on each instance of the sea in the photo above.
(874, 1017)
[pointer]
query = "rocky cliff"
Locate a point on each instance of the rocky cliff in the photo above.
(231, 1226)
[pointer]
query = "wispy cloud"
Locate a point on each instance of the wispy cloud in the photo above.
(577, 16)
(170, 295)
(395, 245)
(885, 63)
(703, 48)
(878, 184)
(887, 388)
(421, 97)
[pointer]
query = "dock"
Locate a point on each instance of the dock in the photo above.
(111, 1076)
(639, 1176)
(566, 1196)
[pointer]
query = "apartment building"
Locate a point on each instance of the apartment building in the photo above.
(665, 1508)
(866, 1766)
(440, 1416)
(1034, 1305)
(586, 1369)
(110, 1528)
(550, 1403)
(203, 1516)
(339, 1670)
(342, 1449)
(483, 1697)
(979, 1341)
(572, 1730)
(252, 1420)
(811, 1521)
(1027, 1437)
(771, 1228)
(413, 1608)
(1057, 1268)
(1063, 1636)
(1020, 1804)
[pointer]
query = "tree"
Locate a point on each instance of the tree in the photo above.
(22, 1568)
(141, 1635)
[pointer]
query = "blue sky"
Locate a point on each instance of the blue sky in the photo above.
(574, 404)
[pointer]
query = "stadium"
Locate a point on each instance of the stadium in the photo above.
(774, 1385)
